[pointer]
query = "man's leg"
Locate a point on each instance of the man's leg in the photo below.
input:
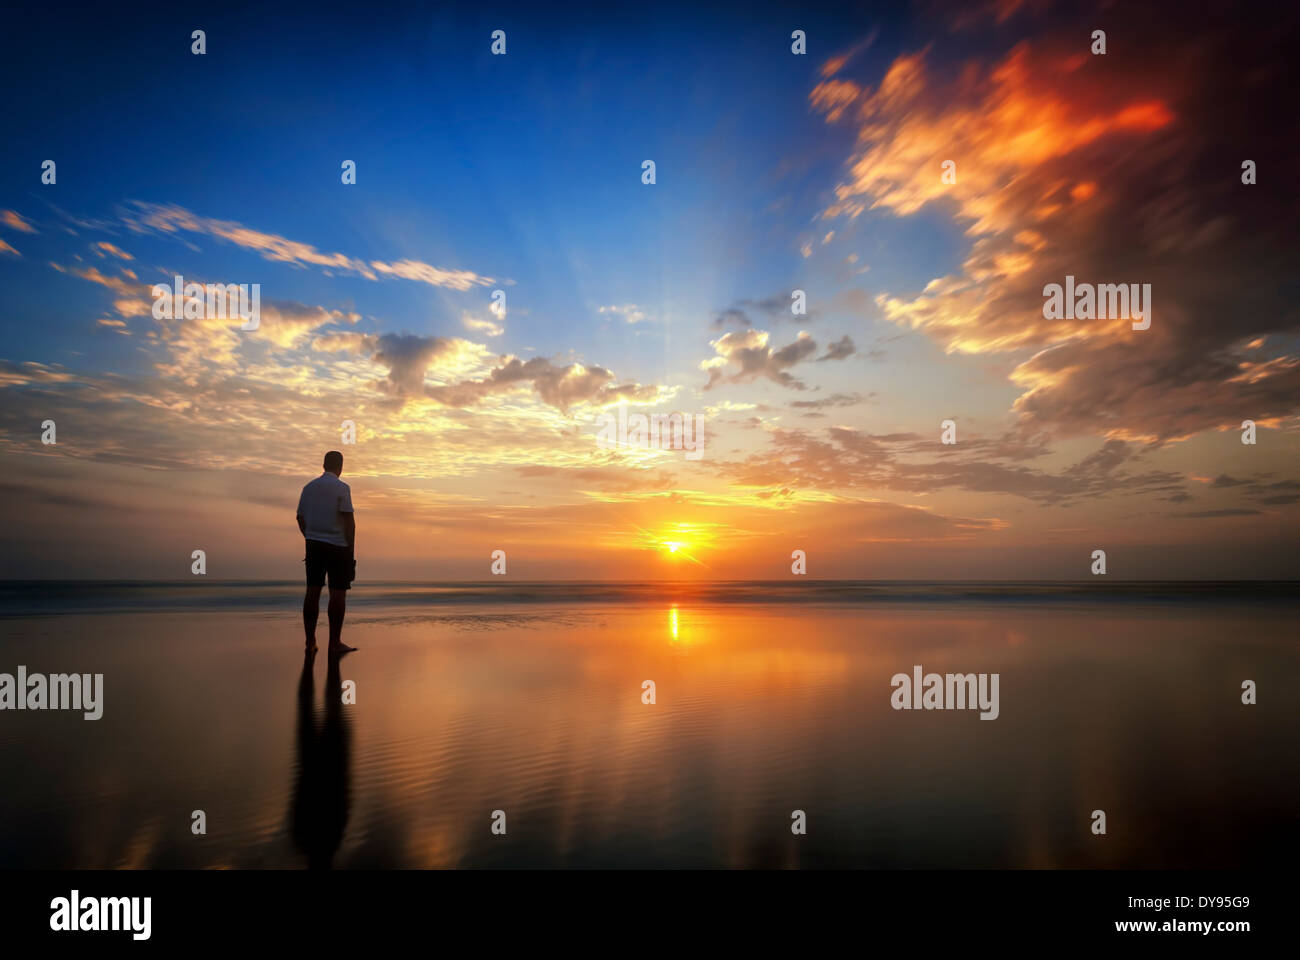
(337, 607)
(311, 611)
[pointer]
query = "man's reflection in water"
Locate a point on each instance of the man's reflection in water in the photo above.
(320, 796)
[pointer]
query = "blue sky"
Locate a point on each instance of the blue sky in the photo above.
(525, 168)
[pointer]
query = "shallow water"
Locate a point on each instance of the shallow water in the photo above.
(761, 709)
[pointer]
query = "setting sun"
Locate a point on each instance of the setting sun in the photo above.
(678, 540)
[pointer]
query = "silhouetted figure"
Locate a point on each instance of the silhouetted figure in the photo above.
(327, 523)
(322, 791)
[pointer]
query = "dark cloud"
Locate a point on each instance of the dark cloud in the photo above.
(743, 357)
(772, 310)
(408, 357)
(833, 400)
(847, 458)
(561, 387)
(839, 350)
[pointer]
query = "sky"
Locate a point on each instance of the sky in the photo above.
(521, 174)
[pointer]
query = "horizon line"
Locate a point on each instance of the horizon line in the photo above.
(645, 582)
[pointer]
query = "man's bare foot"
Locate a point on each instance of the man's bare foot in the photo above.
(339, 649)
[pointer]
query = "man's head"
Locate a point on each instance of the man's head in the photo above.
(334, 462)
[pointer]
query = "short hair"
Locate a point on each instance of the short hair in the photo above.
(334, 462)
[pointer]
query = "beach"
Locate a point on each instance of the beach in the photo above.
(482, 704)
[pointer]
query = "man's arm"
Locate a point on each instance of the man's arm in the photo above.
(302, 525)
(349, 520)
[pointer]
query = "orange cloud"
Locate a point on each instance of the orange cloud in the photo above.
(14, 221)
(103, 248)
(1086, 168)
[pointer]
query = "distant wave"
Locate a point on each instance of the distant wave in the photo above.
(46, 597)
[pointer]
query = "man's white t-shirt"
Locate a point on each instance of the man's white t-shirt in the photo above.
(319, 506)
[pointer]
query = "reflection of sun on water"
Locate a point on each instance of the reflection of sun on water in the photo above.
(687, 632)
(682, 633)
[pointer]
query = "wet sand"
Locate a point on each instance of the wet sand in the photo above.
(462, 709)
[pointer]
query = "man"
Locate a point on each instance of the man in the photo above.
(326, 521)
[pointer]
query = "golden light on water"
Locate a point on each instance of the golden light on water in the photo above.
(683, 631)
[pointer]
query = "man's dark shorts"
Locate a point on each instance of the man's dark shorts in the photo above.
(328, 558)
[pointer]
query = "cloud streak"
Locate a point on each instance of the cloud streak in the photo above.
(171, 219)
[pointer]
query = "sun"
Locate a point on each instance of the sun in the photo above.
(676, 542)
(679, 547)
